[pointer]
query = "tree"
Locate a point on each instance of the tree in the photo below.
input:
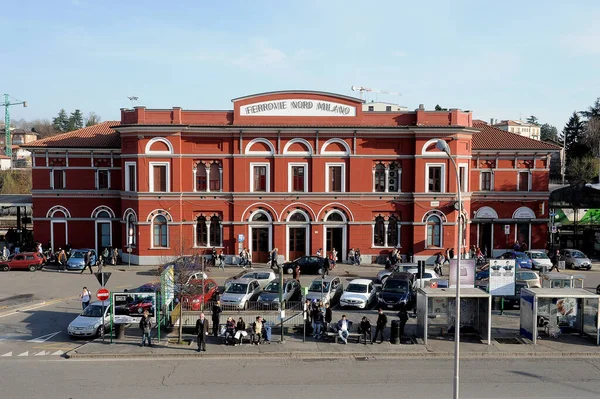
(92, 119)
(548, 132)
(438, 108)
(15, 182)
(75, 120)
(592, 111)
(582, 169)
(43, 127)
(574, 131)
(533, 120)
(61, 122)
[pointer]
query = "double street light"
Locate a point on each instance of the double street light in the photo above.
(443, 146)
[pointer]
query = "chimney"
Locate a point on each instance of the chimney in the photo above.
(422, 107)
(492, 121)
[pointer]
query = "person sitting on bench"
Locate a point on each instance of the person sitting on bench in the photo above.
(240, 331)
(344, 326)
(257, 331)
(229, 330)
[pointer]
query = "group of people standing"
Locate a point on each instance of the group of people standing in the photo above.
(333, 256)
(354, 256)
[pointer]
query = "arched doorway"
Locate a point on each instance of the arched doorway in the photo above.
(103, 216)
(298, 234)
(59, 232)
(335, 234)
(260, 231)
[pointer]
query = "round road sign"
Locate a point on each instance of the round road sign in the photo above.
(102, 294)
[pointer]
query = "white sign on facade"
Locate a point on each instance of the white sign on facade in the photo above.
(502, 277)
(486, 213)
(507, 229)
(524, 213)
(299, 107)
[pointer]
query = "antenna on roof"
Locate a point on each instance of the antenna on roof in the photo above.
(132, 99)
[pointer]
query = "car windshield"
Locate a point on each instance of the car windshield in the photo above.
(521, 256)
(272, 287)
(92, 311)
(538, 255)
(396, 286)
(577, 254)
(77, 255)
(526, 276)
(316, 286)
(236, 288)
(356, 288)
(263, 276)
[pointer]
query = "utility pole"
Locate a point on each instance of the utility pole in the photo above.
(7, 140)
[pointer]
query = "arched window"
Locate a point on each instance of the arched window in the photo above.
(215, 231)
(380, 178)
(434, 229)
(160, 230)
(335, 217)
(379, 232)
(297, 217)
(260, 217)
(201, 232)
(215, 177)
(102, 215)
(392, 232)
(131, 230)
(201, 178)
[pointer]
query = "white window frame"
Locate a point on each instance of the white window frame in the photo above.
(64, 178)
(152, 232)
(252, 166)
(151, 176)
(441, 246)
(481, 180)
(98, 179)
(528, 180)
(465, 166)
(327, 166)
(443, 183)
(127, 180)
(290, 176)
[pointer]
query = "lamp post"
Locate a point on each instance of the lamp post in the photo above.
(443, 146)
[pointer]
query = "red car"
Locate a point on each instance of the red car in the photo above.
(140, 305)
(31, 261)
(192, 301)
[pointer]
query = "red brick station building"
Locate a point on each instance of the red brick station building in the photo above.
(296, 170)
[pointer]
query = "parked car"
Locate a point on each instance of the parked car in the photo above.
(428, 274)
(328, 289)
(76, 260)
(264, 276)
(89, 321)
(194, 298)
(398, 289)
(148, 287)
(308, 265)
(575, 259)
(539, 259)
(359, 293)
(531, 278)
(138, 307)
(385, 273)
(270, 295)
(521, 259)
(239, 292)
(31, 261)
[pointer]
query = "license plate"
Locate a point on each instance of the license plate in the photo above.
(390, 306)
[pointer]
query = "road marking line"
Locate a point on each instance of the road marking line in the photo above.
(44, 338)
(57, 353)
(7, 354)
(54, 347)
(24, 354)
(42, 353)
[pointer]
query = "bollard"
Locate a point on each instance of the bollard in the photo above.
(395, 332)
(120, 331)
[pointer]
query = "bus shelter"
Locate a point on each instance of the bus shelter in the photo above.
(440, 304)
(561, 280)
(555, 311)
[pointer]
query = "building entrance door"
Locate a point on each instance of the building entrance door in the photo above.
(260, 244)
(103, 237)
(485, 238)
(297, 242)
(59, 235)
(335, 239)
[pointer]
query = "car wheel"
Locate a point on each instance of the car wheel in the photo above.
(100, 331)
(246, 305)
(4, 268)
(32, 268)
(289, 270)
(598, 289)
(588, 268)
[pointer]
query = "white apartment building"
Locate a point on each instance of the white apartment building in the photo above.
(520, 127)
(378, 106)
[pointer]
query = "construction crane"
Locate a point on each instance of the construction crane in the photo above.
(362, 89)
(7, 140)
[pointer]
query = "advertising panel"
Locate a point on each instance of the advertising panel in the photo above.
(467, 273)
(129, 307)
(167, 286)
(527, 324)
(502, 277)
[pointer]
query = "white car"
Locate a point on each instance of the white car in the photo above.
(539, 259)
(360, 293)
(428, 274)
(89, 321)
(263, 276)
(239, 292)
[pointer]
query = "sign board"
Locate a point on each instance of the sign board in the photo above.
(241, 238)
(502, 277)
(554, 229)
(167, 285)
(102, 294)
(129, 307)
(507, 229)
(434, 203)
(297, 107)
(467, 273)
(523, 213)
(103, 277)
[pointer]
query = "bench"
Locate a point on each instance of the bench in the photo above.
(336, 336)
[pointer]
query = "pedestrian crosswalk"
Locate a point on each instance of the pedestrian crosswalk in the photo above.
(33, 353)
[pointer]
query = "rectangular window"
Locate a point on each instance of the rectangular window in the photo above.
(388, 108)
(57, 177)
(523, 181)
(260, 178)
(371, 108)
(464, 185)
(103, 179)
(159, 177)
(130, 176)
(486, 181)
(435, 179)
(298, 175)
(335, 179)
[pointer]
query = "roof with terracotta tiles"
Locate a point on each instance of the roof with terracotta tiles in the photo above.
(491, 138)
(97, 136)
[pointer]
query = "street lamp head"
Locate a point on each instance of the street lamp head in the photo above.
(442, 146)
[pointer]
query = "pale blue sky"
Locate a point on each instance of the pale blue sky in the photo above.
(500, 59)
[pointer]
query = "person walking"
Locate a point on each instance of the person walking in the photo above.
(403, 315)
(62, 260)
(439, 260)
(319, 253)
(216, 315)
(351, 256)
(451, 253)
(146, 327)
(274, 258)
(213, 257)
(446, 256)
(87, 262)
(380, 325)
(201, 332)
(318, 323)
(85, 297)
(114, 256)
(357, 256)
(365, 329)
(555, 259)
(221, 258)
(296, 273)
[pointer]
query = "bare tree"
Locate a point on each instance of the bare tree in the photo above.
(92, 119)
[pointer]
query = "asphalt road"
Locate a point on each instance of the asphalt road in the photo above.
(346, 378)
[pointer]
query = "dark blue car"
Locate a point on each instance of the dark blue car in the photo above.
(521, 259)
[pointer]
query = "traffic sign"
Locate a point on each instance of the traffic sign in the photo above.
(241, 238)
(103, 277)
(102, 294)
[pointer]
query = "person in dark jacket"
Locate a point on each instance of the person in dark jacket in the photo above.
(380, 327)
(230, 330)
(403, 315)
(328, 317)
(146, 327)
(555, 259)
(202, 332)
(365, 329)
(216, 315)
